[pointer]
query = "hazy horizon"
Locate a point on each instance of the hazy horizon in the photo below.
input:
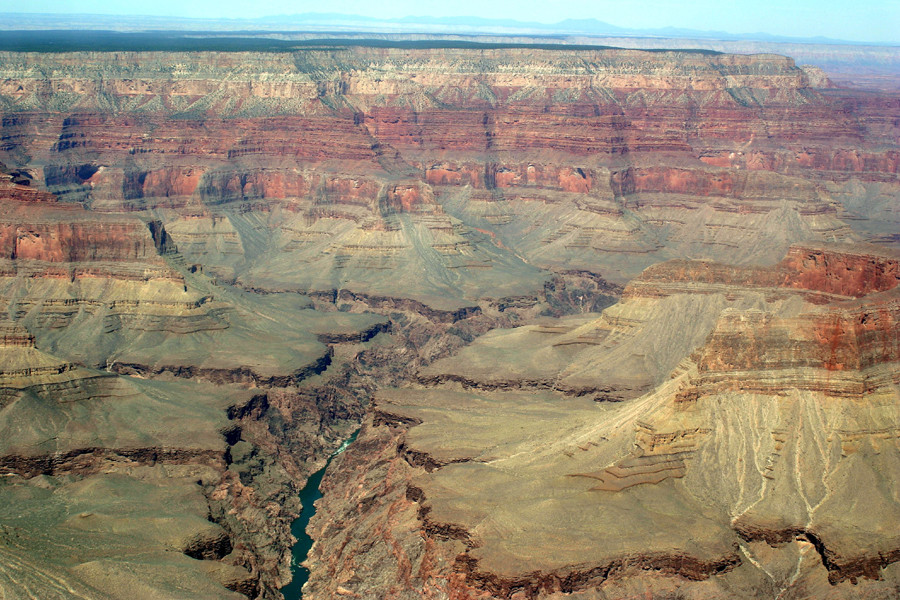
(872, 22)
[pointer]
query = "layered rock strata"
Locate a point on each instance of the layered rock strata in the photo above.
(761, 462)
(456, 163)
(632, 346)
(159, 212)
(128, 374)
(153, 486)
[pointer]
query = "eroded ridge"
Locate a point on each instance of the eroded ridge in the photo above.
(762, 463)
(192, 246)
(468, 166)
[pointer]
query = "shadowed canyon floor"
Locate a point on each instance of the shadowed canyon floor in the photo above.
(616, 323)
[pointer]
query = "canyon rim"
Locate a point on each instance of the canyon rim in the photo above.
(611, 322)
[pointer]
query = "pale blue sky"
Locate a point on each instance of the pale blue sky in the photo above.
(859, 20)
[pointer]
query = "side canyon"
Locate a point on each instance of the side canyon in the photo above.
(615, 324)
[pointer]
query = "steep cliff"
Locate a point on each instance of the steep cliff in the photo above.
(212, 262)
(760, 461)
(354, 160)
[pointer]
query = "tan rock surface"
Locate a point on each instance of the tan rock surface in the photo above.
(160, 212)
(770, 473)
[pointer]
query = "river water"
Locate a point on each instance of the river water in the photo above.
(308, 497)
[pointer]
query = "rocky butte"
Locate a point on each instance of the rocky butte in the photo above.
(616, 324)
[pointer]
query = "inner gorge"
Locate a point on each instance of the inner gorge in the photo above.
(300, 550)
(600, 323)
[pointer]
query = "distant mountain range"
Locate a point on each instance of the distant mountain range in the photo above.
(338, 23)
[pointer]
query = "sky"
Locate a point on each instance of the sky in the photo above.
(856, 20)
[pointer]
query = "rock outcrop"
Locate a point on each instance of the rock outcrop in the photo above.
(115, 484)
(760, 460)
(354, 161)
(212, 262)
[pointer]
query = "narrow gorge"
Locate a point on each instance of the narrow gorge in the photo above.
(614, 324)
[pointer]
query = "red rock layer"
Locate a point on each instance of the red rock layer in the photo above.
(730, 184)
(76, 242)
(313, 137)
(511, 175)
(849, 273)
(852, 339)
(832, 270)
(855, 328)
(103, 132)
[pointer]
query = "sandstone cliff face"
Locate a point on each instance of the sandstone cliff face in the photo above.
(641, 156)
(75, 242)
(731, 477)
(161, 212)
(146, 491)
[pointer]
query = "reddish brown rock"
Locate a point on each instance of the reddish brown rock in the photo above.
(77, 242)
(775, 439)
(441, 184)
(849, 273)
(832, 270)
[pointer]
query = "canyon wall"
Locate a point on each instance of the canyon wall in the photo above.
(759, 457)
(215, 265)
(349, 157)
